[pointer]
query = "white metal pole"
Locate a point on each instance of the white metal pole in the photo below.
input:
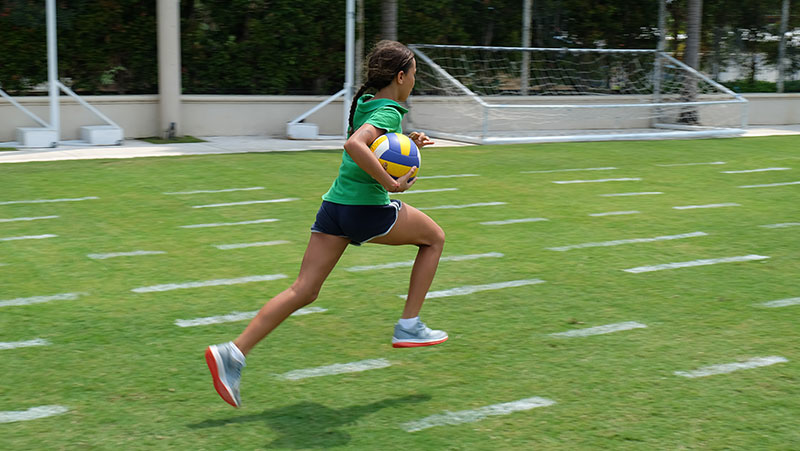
(782, 44)
(52, 69)
(169, 67)
(349, 63)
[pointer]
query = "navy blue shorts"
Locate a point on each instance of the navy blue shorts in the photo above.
(359, 223)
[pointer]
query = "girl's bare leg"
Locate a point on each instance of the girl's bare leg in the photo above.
(321, 255)
(415, 227)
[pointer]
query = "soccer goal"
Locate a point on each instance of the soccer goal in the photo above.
(495, 95)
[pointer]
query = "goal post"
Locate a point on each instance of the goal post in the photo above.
(483, 95)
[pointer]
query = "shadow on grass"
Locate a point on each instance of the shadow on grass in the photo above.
(310, 424)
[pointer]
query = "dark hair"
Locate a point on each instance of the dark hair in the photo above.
(384, 62)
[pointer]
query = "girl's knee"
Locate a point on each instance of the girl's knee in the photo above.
(305, 294)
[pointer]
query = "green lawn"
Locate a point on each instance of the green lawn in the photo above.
(132, 379)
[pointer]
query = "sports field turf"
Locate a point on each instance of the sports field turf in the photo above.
(76, 333)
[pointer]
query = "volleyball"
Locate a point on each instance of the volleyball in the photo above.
(397, 154)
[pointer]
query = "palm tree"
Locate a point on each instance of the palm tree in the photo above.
(389, 29)
(692, 57)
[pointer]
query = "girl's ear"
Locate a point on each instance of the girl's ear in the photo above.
(400, 77)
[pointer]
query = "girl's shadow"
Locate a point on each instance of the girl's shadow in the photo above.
(309, 424)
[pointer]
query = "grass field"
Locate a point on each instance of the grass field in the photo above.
(130, 378)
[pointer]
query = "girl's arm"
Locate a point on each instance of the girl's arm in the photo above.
(357, 146)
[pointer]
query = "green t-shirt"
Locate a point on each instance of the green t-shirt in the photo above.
(354, 186)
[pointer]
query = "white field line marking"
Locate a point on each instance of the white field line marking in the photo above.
(469, 289)
(248, 202)
(645, 193)
(242, 245)
(28, 237)
(781, 303)
(568, 170)
(598, 330)
(23, 344)
(238, 316)
(755, 170)
(337, 368)
(688, 164)
(228, 190)
(35, 218)
(615, 213)
(208, 283)
(418, 191)
(731, 367)
(710, 261)
(41, 299)
(481, 204)
(780, 226)
(691, 207)
(471, 416)
(514, 221)
(123, 254)
(223, 224)
(448, 176)
(42, 201)
(632, 240)
(34, 413)
(451, 258)
(770, 184)
(626, 179)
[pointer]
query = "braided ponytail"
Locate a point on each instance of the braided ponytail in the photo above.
(353, 105)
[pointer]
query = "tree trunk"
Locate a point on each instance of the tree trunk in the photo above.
(359, 75)
(692, 58)
(389, 29)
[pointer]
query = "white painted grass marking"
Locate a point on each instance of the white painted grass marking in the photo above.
(469, 289)
(448, 176)
(780, 226)
(243, 245)
(41, 299)
(781, 303)
(224, 224)
(471, 416)
(209, 283)
(615, 213)
(514, 221)
(23, 344)
(770, 184)
(644, 193)
(712, 370)
(34, 218)
(691, 207)
(248, 202)
(42, 201)
(451, 258)
(755, 170)
(626, 179)
(632, 240)
(227, 190)
(688, 164)
(568, 170)
(34, 413)
(28, 237)
(480, 204)
(418, 191)
(598, 330)
(238, 316)
(337, 368)
(710, 261)
(123, 254)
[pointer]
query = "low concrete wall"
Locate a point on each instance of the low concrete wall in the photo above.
(224, 115)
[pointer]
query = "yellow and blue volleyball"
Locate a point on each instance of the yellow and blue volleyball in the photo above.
(397, 153)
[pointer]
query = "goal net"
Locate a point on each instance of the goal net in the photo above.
(492, 95)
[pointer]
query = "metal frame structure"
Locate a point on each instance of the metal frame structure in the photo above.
(669, 130)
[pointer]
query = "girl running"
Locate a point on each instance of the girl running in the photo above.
(355, 210)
